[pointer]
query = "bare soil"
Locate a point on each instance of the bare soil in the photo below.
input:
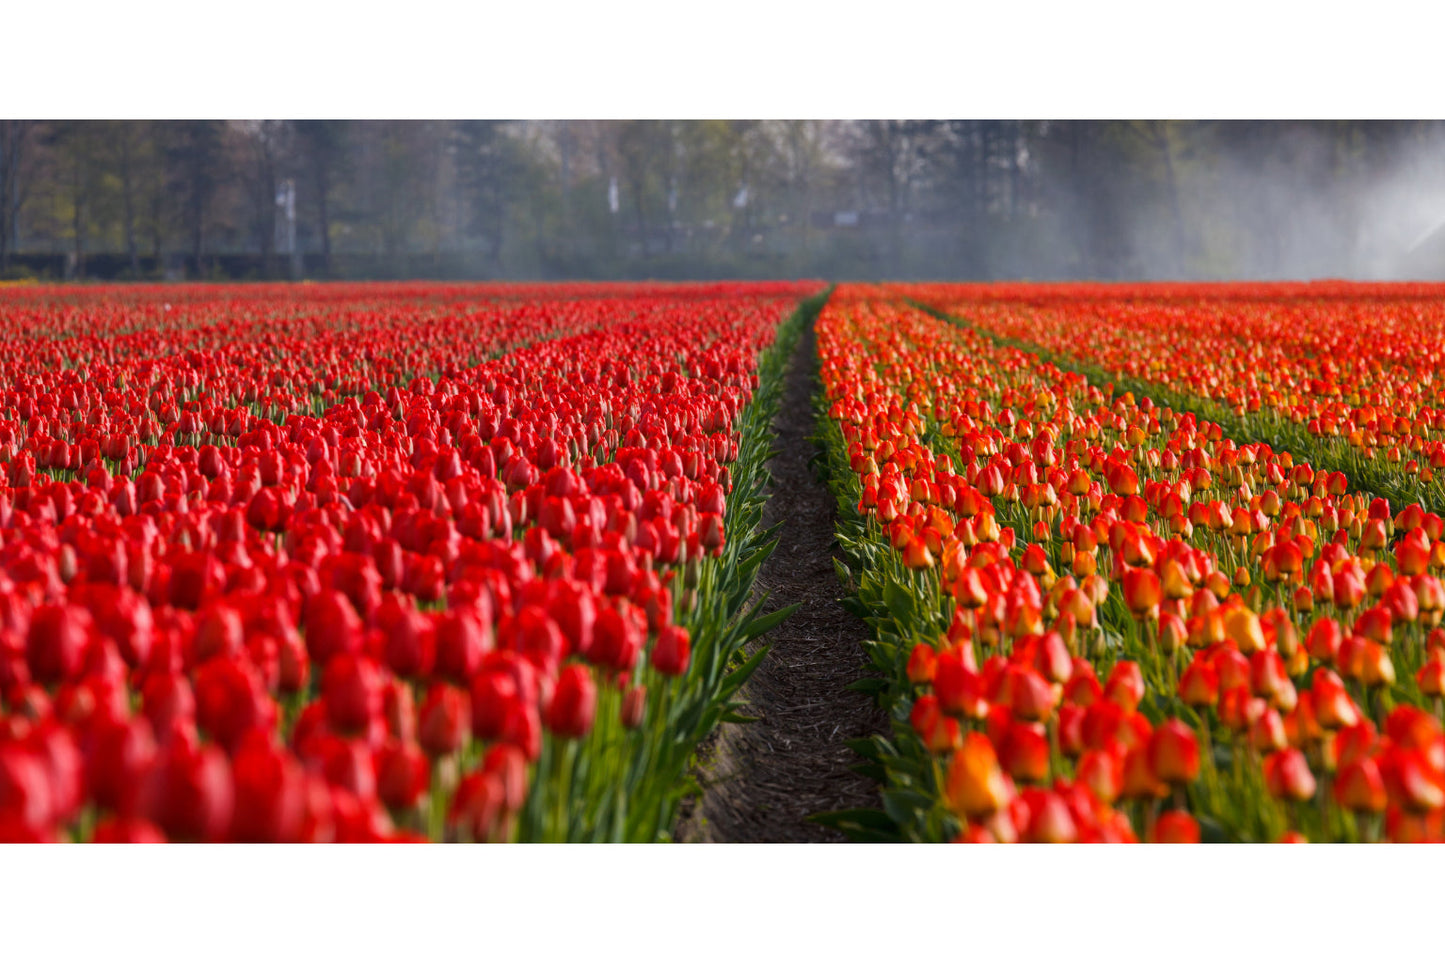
(763, 779)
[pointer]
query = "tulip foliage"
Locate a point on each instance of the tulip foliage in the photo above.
(376, 562)
(1101, 618)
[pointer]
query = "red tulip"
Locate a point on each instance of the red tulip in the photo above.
(188, 793)
(352, 691)
(445, 720)
(1175, 827)
(270, 789)
(57, 641)
(120, 829)
(463, 637)
(402, 775)
(574, 703)
(672, 651)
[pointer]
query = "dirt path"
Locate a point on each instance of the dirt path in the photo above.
(765, 778)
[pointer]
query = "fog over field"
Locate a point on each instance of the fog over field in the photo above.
(944, 199)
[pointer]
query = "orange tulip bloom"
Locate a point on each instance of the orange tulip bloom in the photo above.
(1287, 775)
(1359, 786)
(975, 786)
(1174, 753)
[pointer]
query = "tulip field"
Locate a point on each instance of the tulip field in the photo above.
(424, 562)
(1154, 563)
(365, 563)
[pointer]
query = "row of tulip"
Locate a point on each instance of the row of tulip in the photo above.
(1342, 373)
(440, 598)
(1098, 618)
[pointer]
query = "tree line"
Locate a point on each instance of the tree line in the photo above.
(595, 199)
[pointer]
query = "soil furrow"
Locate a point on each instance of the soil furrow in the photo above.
(766, 777)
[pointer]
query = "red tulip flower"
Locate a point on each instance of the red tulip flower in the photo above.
(574, 703)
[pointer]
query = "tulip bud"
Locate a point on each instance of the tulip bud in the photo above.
(634, 705)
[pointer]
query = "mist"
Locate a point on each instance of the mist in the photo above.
(838, 199)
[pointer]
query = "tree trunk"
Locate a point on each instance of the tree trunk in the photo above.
(127, 193)
(77, 222)
(13, 135)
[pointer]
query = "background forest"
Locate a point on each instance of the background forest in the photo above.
(707, 199)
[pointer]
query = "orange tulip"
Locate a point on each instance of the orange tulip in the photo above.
(1287, 775)
(1333, 707)
(1139, 779)
(1243, 628)
(1410, 782)
(922, 663)
(1359, 786)
(1125, 687)
(1142, 591)
(1431, 677)
(1174, 753)
(938, 732)
(1102, 773)
(975, 786)
(1199, 684)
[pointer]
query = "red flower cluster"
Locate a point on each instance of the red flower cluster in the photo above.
(286, 564)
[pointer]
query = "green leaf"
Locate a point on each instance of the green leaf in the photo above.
(905, 805)
(860, 825)
(738, 676)
(871, 770)
(870, 685)
(899, 601)
(766, 623)
(867, 748)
